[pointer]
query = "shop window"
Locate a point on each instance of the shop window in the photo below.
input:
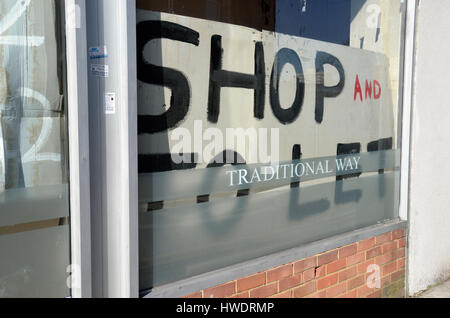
(263, 126)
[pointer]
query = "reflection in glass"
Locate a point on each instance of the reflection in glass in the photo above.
(34, 210)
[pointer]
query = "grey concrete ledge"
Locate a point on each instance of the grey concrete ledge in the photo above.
(231, 273)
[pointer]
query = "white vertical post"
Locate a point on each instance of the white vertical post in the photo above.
(78, 118)
(408, 88)
(113, 122)
(408, 81)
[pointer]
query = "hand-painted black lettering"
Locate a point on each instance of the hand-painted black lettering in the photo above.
(221, 160)
(222, 226)
(163, 76)
(296, 155)
(155, 206)
(340, 196)
(152, 163)
(299, 211)
(323, 91)
(348, 149)
(380, 145)
(287, 116)
(220, 78)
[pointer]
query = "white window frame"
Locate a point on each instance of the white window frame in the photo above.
(78, 116)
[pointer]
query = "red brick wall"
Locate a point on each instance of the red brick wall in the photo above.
(342, 272)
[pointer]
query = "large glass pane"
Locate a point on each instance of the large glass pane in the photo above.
(263, 125)
(34, 208)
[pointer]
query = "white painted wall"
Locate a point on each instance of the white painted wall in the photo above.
(429, 246)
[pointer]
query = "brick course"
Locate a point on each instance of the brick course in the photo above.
(340, 273)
